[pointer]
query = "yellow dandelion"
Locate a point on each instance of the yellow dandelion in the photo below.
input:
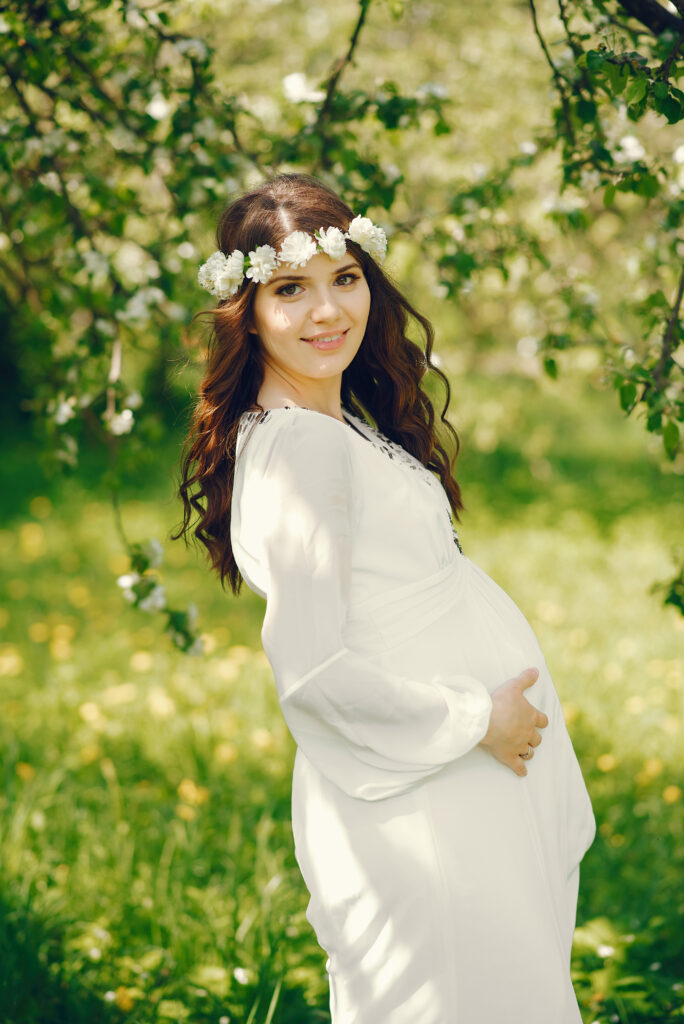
(226, 753)
(108, 769)
(78, 595)
(227, 669)
(209, 643)
(141, 661)
(653, 767)
(122, 693)
(89, 711)
(672, 794)
(89, 753)
(606, 762)
(39, 632)
(11, 661)
(185, 812)
(40, 507)
(159, 703)
(31, 542)
(123, 999)
(25, 771)
(262, 739)
(191, 793)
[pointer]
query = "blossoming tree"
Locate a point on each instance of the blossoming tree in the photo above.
(121, 133)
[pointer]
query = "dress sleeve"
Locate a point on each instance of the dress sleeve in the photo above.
(372, 733)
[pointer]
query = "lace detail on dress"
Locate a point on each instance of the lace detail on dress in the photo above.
(390, 450)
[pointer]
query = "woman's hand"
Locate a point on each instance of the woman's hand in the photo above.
(513, 723)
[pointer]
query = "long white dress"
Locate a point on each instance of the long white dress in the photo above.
(443, 886)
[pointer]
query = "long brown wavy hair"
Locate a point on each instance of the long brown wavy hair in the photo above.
(382, 384)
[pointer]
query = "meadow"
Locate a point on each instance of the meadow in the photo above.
(146, 863)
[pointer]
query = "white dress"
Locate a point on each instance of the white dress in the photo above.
(443, 886)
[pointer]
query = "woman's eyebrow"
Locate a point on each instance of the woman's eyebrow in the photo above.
(303, 277)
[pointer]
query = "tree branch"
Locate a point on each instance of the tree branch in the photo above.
(663, 72)
(669, 336)
(557, 77)
(653, 16)
(324, 112)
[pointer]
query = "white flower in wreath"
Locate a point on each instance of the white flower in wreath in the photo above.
(297, 249)
(372, 239)
(230, 276)
(332, 242)
(262, 262)
(222, 275)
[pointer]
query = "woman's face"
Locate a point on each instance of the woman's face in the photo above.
(311, 320)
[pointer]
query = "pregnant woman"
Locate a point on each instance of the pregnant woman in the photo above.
(438, 834)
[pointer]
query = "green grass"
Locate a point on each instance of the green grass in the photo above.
(146, 864)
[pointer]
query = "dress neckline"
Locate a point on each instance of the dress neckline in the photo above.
(303, 408)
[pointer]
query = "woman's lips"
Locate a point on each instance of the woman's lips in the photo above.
(327, 342)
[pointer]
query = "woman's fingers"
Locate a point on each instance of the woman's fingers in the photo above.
(540, 719)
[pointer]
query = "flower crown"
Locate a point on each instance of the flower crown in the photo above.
(222, 275)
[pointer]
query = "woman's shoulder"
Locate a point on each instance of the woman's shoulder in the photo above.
(292, 433)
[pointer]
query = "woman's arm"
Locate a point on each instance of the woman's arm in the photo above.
(371, 732)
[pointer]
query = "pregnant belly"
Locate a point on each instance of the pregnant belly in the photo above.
(455, 622)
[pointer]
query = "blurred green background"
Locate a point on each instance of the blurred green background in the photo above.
(146, 863)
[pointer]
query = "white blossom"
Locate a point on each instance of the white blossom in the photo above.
(630, 149)
(222, 275)
(297, 249)
(65, 410)
(121, 423)
(331, 241)
(604, 950)
(154, 552)
(158, 107)
(262, 262)
(196, 647)
(155, 600)
(372, 239)
(134, 400)
(678, 155)
(127, 582)
(196, 48)
(298, 89)
(136, 309)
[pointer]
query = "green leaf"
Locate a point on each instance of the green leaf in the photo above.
(586, 110)
(617, 75)
(636, 90)
(551, 367)
(627, 395)
(609, 195)
(595, 60)
(671, 438)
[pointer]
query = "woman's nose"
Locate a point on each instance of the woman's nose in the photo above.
(325, 307)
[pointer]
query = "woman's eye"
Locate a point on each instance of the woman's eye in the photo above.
(347, 278)
(287, 289)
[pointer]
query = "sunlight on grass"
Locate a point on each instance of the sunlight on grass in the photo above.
(147, 853)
